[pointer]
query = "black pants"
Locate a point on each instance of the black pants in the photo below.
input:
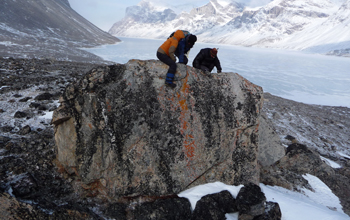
(207, 68)
(168, 61)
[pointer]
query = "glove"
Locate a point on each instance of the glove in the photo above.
(204, 68)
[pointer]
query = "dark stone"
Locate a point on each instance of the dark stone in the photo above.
(25, 99)
(25, 130)
(251, 200)
(44, 96)
(6, 129)
(34, 105)
(42, 108)
(290, 138)
(24, 186)
(272, 212)
(20, 114)
(294, 149)
(13, 148)
(17, 95)
(4, 140)
(116, 211)
(170, 209)
(215, 206)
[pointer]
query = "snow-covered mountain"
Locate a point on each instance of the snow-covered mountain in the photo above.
(46, 28)
(197, 20)
(320, 26)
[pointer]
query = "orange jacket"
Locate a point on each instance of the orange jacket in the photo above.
(170, 45)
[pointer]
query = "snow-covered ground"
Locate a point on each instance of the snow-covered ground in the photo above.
(13, 107)
(321, 204)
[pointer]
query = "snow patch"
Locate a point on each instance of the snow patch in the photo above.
(321, 204)
(344, 155)
(7, 43)
(295, 205)
(322, 194)
(330, 162)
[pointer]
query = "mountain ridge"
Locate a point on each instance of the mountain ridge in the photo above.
(47, 28)
(314, 26)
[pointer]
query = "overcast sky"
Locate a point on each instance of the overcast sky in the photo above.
(104, 13)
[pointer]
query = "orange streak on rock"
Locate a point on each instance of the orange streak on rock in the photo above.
(109, 107)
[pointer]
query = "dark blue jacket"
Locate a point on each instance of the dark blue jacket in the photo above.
(182, 49)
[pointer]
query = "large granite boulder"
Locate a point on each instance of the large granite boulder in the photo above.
(270, 144)
(122, 132)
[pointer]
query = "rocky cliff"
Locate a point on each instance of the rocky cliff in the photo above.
(122, 132)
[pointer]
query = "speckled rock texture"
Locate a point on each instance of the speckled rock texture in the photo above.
(122, 132)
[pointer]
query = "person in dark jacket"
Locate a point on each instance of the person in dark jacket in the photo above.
(184, 48)
(206, 59)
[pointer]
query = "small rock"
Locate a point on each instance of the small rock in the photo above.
(42, 108)
(20, 114)
(251, 200)
(4, 140)
(25, 99)
(291, 138)
(34, 105)
(170, 208)
(44, 96)
(25, 130)
(6, 129)
(272, 212)
(24, 186)
(17, 95)
(294, 149)
(215, 206)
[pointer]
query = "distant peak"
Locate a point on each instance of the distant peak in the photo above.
(150, 5)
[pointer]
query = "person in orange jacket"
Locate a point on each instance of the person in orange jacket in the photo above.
(166, 54)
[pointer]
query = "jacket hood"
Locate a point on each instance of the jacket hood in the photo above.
(179, 35)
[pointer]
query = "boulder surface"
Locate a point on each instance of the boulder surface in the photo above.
(122, 132)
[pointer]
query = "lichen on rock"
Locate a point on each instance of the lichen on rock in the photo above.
(131, 135)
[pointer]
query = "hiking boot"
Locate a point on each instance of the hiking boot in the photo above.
(169, 80)
(170, 84)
